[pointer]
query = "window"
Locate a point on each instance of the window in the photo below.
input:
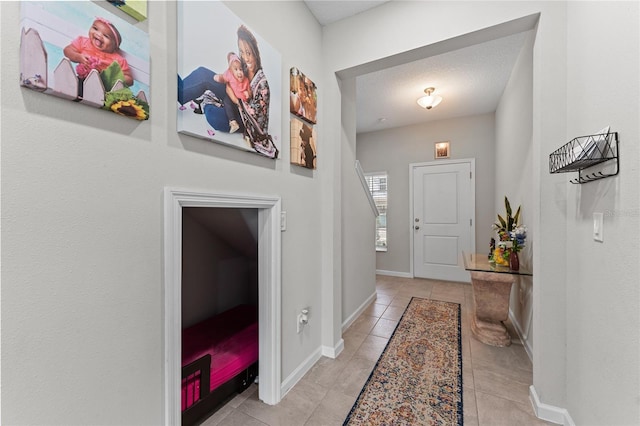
(377, 183)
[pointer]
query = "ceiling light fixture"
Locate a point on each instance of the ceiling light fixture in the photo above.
(429, 101)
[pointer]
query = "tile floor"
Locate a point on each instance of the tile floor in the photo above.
(495, 380)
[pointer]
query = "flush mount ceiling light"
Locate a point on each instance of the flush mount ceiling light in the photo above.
(429, 101)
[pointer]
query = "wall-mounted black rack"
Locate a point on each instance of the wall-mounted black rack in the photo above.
(584, 152)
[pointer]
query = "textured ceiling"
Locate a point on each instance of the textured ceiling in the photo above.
(470, 80)
(329, 11)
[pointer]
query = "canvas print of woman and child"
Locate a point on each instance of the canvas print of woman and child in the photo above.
(82, 52)
(228, 92)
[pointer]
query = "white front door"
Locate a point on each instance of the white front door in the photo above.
(442, 222)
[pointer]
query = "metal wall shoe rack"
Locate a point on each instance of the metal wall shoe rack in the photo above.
(584, 152)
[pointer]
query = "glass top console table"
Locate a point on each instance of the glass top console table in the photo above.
(491, 285)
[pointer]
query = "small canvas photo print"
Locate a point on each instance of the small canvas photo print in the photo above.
(78, 50)
(303, 96)
(441, 150)
(303, 144)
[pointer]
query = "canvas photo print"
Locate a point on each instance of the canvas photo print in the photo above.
(303, 96)
(82, 52)
(230, 91)
(303, 144)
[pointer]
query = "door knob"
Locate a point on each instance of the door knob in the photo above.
(416, 227)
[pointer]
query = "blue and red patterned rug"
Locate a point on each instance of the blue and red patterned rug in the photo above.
(418, 378)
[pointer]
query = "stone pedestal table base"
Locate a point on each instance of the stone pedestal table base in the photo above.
(491, 293)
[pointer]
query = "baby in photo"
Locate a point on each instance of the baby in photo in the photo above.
(237, 89)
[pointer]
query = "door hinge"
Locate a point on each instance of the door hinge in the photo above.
(470, 222)
(470, 175)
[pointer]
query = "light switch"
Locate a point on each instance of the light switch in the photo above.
(598, 219)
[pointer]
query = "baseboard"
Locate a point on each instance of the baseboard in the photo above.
(525, 342)
(330, 352)
(358, 311)
(394, 273)
(299, 372)
(548, 412)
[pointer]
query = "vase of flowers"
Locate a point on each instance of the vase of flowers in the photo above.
(518, 237)
(512, 237)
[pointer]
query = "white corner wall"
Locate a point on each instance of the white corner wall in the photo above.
(514, 176)
(82, 202)
(358, 219)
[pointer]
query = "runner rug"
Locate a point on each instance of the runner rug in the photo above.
(418, 378)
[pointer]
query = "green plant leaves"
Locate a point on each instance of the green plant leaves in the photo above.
(509, 223)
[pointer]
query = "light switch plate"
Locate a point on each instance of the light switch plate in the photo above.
(598, 219)
(283, 221)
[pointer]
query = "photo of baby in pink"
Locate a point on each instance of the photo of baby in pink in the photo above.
(98, 51)
(237, 88)
(81, 52)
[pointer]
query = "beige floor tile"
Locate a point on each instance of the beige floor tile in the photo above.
(496, 411)
(333, 410)
(394, 312)
(383, 299)
(237, 418)
(389, 290)
(375, 310)
(509, 358)
(354, 377)
(400, 302)
(364, 323)
(327, 371)
(384, 328)
(467, 375)
(371, 348)
(503, 385)
(452, 295)
(424, 294)
(218, 417)
(242, 397)
(469, 407)
(294, 409)
(352, 341)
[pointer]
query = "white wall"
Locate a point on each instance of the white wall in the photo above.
(358, 219)
(514, 175)
(393, 150)
(603, 297)
(82, 200)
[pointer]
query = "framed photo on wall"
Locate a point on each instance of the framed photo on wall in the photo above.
(441, 150)
(229, 80)
(303, 144)
(303, 96)
(81, 52)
